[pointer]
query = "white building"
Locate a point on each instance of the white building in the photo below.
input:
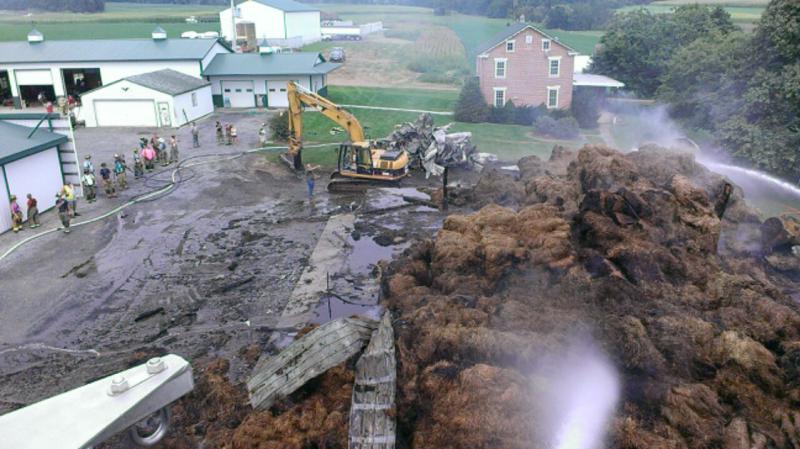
(251, 79)
(275, 20)
(59, 68)
(163, 98)
(29, 163)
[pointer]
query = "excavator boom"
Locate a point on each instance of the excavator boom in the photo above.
(300, 97)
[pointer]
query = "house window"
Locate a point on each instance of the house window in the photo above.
(554, 66)
(510, 46)
(194, 99)
(500, 68)
(499, 97)
(546, 44)
(552, 97)
(529, 39)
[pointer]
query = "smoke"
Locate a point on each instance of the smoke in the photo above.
(646, 124)
(580, 391)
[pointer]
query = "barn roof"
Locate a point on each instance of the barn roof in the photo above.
(305, 63)
(99, 50)
(168, 81)
(287, 5)
(16, 143)
(511, 31)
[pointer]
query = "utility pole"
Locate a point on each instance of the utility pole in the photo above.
(233, 26)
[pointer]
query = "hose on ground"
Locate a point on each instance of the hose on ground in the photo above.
(160, 192)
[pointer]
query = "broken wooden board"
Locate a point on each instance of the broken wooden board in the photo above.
(316, 352)
(372, 424)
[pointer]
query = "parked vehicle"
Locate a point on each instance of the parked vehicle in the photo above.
(337, 55)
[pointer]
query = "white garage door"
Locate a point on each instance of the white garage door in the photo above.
(38, 174)
(34, 77)
(5, 208)
(238, 94)
(125, 113)
(276, 94)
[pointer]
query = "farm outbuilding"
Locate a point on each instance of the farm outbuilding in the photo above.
(29, 163)
(164, 98)
(274, 19)
(259, 80)
(61, 68)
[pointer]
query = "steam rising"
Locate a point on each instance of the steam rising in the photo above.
(580, 398)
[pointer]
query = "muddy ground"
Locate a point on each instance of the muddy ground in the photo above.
(205, 272)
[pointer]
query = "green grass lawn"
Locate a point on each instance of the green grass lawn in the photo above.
(509, 142)
(714, 2)
(433, 100)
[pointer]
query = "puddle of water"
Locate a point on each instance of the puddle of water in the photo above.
(366, 254)
(331, 308)
(387, 197)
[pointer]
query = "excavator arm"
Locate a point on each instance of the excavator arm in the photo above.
(300, 97)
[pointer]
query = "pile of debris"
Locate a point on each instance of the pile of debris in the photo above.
(629, 252)
(432, 146)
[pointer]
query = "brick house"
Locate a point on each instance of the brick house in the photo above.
(524, 65)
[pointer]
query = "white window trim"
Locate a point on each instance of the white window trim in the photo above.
(549, 44)
(558, 94)
(549, 62)
(505, 96)
(513, 46)
(505, 68)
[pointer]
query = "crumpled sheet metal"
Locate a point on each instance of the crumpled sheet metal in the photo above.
(432, 146)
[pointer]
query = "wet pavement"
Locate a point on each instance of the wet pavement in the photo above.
(206, 271)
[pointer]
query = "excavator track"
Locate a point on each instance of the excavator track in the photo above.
(341, 184)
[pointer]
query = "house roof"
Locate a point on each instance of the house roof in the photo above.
(168, 81)
(287, 5)
(16, 143)
(304, 63)
(98, 50)
(592, 80)
(511, 31)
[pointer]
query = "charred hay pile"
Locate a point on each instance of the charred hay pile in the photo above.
(630, 250)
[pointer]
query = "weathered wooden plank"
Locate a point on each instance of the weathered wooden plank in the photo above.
(321, 349)
(372, 424)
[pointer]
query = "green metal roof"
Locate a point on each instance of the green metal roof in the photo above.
(287, 5)
(97, 50)
(254, 64)
(16, 144)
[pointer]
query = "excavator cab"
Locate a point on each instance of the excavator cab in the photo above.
(358, 160)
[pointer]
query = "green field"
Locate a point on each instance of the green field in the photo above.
(745, 16)
(431, 100)
(473, 30)
(120, 20)
(714, 2)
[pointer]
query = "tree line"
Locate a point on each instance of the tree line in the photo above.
(54, 5)
(742, 88)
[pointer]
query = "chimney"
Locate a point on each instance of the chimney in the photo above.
(159, 34)
(35, 36)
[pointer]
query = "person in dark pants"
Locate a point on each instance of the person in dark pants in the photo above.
(63, 211)
(220, 134)
(33, 212)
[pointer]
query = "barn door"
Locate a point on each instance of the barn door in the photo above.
(163, 113)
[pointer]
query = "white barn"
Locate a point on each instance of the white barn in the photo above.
(60, 68)
(275, 20)
(259, 80)
(29, 163)
(163, 98)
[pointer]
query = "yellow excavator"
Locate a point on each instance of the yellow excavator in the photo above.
(360, 161)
